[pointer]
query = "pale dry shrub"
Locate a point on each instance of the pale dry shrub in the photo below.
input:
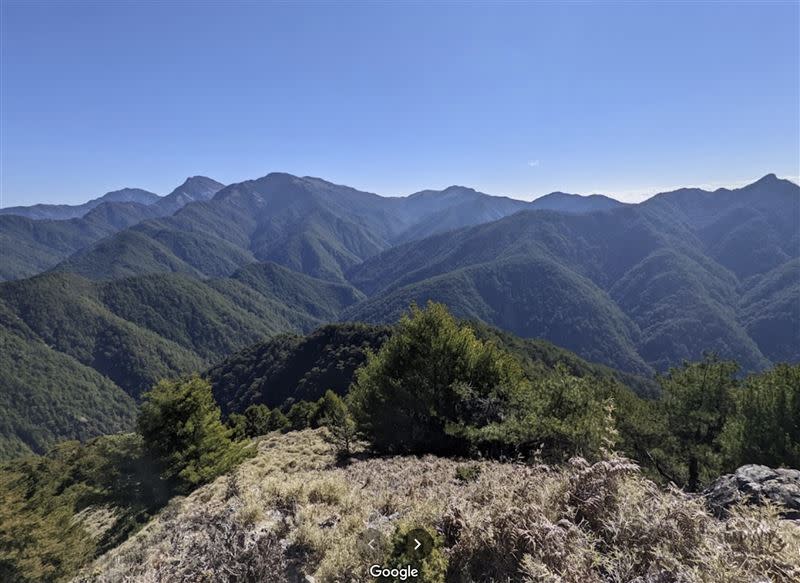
(592, 490)
(651, 533)
(249, 514)
(604, 522)
(578, 523)
(326, 491)
(756, 540)
(509, 543)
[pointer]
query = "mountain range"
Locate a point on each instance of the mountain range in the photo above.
(38, 237)
(96, 307)
(639, 287)
(67, 211)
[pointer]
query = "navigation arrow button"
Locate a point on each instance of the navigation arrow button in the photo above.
(419, 543)
(372, 543)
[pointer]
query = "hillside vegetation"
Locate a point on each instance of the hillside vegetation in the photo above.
(636, 287)
(561, 441)
(77, 350)
(290, 368)
(640, 288)
(48, 397)
(291, 511)
(37, 238)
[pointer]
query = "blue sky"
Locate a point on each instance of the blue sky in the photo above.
(517, 99)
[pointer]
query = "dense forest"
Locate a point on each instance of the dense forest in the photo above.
(429, 384)
(78, 353)
(141, 288)
(38, 237)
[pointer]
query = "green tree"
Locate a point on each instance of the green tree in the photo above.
(765, 428)
(302, 415)
(238, 424)
(697, 400)
(431, 383)
(339, 422)
(277, 421)
(257, 420)
(562, 416)
(181, 429)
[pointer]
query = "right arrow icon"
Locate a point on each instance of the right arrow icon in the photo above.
(419, 543)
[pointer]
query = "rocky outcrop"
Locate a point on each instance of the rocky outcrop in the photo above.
(755, 484)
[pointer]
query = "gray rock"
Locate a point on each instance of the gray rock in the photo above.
(754, 484)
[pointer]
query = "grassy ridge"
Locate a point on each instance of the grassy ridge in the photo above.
(291, 511)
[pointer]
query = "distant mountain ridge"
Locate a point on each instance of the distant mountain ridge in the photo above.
(311, 225)
(637, 287)
(60, 212)
(574, 203)
(132, 294)
(305, 223)
(453, 208)
(193, 188)
(33, 245)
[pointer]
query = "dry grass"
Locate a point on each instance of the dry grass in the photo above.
(290, 511)
(96, 520)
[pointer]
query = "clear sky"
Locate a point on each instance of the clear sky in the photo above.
(518, 99)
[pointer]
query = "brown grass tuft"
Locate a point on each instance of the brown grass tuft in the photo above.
(291, 511)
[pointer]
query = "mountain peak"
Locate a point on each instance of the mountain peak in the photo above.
(770, 178)
(556, 194)
(279, 175)
(566, 202)
(279, 179)
(773, 183)
(196, 187)
(126, 195)
(454, 190)
(198, 184)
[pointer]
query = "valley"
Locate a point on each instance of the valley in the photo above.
(637, 288)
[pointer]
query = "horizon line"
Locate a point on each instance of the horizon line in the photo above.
(646, 193)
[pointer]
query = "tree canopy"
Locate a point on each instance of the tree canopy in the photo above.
(181, 428)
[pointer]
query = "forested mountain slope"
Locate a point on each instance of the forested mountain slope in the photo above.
(34, 241)
(748, 230)
(633, 287)
(291, 368)
(47, 396)
(60, 212)
(307, 224)
(76, 352)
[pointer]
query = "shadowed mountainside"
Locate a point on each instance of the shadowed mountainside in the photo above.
(635, 287)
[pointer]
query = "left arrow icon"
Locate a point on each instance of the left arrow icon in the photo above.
(371, 541)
